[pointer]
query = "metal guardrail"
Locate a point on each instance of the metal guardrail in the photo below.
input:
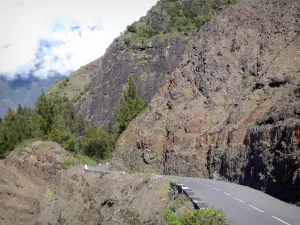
(95, 170)
(198, 203)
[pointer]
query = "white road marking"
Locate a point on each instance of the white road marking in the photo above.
(238, 199)
(256, 208)
(280, 220)
(181, 184)
(226, 193)
(207, 185)
(185, 188)
(217, 189)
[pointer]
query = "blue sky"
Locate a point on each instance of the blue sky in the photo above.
(42, 36)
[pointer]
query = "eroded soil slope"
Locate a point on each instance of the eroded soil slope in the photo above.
(231, 108)
(34, 189)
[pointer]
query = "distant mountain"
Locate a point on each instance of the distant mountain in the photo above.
(22, 91)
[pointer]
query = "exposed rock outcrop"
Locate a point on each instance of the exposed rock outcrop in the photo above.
(231, 106)
(149, 67)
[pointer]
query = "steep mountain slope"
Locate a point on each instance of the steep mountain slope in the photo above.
(22, 91)
(231, 107)
(149, 50)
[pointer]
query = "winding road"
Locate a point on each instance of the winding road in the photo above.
(242, 205)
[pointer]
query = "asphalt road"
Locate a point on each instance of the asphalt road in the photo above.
(242, 205)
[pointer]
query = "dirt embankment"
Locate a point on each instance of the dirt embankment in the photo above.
(34, 189)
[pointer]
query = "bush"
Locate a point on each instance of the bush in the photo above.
(206, 216)
(67, 163)
(132, 28)
(97, 143)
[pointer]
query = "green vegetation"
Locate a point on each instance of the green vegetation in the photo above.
(98, 143)
(178, 203)
(49, 195)
(131, 106)
(206, 216)
(67, 163)
(84, 159)
(181, 17)
(55, 119)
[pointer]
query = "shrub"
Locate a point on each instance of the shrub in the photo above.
(132, 28)
(206, 216)
(67, 163)
(97, 143)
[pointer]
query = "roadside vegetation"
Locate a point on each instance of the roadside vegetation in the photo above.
(206, 216)
(54, 118)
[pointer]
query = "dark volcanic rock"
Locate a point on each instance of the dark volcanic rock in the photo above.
(149, 66)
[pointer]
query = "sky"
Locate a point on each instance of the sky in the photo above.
(44, 38)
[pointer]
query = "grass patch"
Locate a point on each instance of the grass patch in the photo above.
(86, 160)
(189, 92)
(67, 163)
(178, 203)
(164, 189)
(49, 195)
(206, 216)
(143, 77)
(25, 143)
(142, 63)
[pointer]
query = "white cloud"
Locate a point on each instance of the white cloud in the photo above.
(27, 26)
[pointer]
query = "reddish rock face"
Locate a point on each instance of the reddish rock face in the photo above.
(231, 108)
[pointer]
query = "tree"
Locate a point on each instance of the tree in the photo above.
(97, 143)
(131, 106)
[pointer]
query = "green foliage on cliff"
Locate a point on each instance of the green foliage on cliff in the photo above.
(178, 17)
(206, 216)
(131, 106)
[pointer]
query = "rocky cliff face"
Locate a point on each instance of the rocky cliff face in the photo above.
(231, 107)
(35, 189)
(148, 65)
